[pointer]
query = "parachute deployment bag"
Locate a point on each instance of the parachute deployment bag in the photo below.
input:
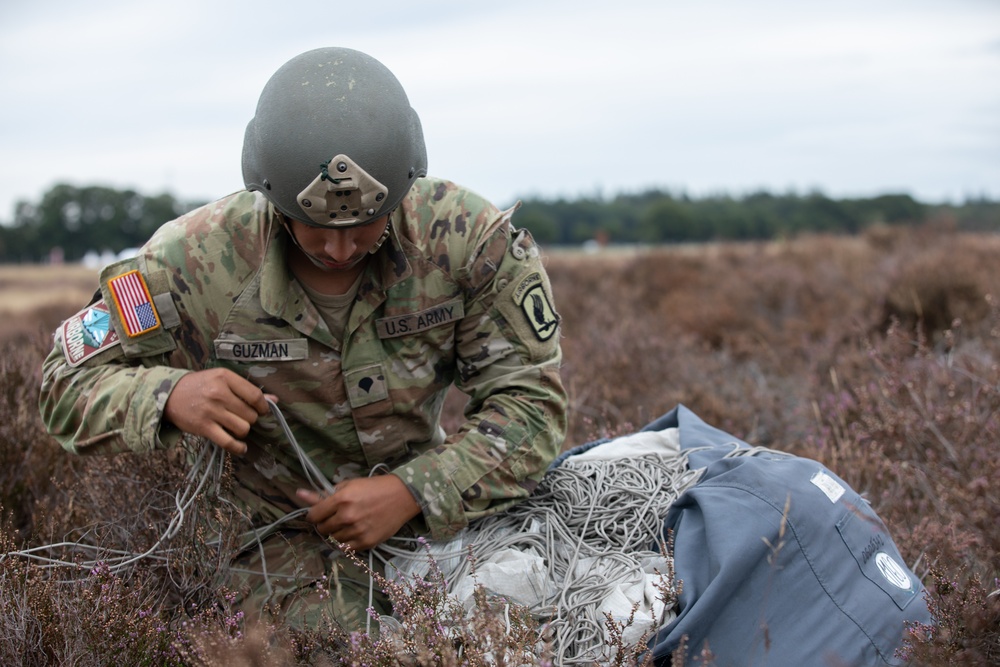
(781, 562)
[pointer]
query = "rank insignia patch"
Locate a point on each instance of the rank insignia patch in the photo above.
(87, 333)
(531, 296)
(135, 305)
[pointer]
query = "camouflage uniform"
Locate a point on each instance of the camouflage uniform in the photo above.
(456, 296)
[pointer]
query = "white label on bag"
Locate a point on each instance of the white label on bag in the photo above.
(828, 485)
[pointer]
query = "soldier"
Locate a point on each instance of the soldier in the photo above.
(351, 289)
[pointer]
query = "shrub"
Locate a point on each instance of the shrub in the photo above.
(877, 355)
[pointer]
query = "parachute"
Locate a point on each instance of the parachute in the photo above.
(774, 559)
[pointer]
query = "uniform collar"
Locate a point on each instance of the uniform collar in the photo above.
(392, 263)
(282, 296)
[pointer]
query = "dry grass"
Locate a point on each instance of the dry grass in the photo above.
(28, 287)
(877, 355)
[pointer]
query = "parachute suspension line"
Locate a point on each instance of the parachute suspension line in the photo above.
(208, 464)
(597, 525)
(322, 485)
(316, 478)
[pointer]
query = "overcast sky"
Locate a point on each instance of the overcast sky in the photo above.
(523, 98)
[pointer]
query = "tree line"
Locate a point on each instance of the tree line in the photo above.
(658, 216)
(71, 221)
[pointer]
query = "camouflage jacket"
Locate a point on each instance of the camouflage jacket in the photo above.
(455, 296)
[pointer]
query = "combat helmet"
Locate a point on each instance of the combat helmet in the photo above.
(334, 141)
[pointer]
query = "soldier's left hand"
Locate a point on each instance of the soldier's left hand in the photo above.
(362, 512)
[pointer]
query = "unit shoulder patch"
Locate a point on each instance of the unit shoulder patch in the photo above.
(87, 334)
(534, 302)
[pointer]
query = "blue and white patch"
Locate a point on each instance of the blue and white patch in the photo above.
(87, 334)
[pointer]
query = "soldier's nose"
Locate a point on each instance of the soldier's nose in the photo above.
(340, 245)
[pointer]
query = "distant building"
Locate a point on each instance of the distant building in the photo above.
(98, 260)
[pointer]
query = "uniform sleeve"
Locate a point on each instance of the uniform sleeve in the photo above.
(508, 357)
(104, 388)
(107, 405)
(101, 397)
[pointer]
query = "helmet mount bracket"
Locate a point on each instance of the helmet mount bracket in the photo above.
(342, 195)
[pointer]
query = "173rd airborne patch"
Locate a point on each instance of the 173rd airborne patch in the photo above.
(530, 295)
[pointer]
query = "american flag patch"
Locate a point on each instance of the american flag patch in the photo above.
(135, 305)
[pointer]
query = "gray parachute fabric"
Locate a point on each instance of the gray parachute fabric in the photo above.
(782, 563)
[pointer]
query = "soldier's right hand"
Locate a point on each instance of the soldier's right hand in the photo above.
(216, 404)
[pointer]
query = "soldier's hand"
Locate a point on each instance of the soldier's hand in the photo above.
(216, 404)
(362, 512)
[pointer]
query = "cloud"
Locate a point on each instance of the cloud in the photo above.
(524, 98)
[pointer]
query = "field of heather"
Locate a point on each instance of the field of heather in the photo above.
(878, 355)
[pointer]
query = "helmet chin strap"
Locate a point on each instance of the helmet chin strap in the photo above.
(385, 235)
(291, 234)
